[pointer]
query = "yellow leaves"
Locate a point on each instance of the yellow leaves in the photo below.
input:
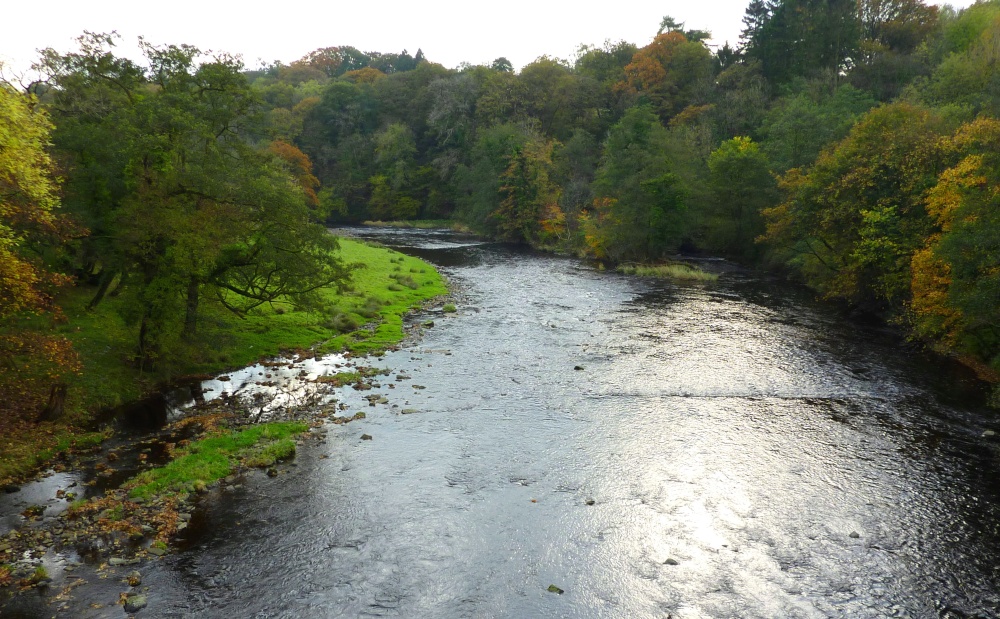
(945, 198)
(367, 75)
(933, 316)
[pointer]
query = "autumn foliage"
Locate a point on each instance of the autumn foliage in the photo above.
(32, 360)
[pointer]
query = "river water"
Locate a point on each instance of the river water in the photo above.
(727, 449)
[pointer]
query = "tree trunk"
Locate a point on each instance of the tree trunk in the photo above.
(191, 308)
(107, 276)
(144, 360)
(57, 402)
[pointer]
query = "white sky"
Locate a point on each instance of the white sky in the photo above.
(449, 31)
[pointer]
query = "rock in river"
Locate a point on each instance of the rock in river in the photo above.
(135, 603)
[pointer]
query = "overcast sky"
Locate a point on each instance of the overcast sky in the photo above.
(449, 31)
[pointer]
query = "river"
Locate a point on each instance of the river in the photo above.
(652, 449)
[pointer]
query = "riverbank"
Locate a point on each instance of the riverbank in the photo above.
(367, 319)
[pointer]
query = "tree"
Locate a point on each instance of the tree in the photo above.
(742, 186)
(851, 223)
(799, 126)
(638, 204)
(956, 275)
(803, 38)
(197, 209)
(528, 196)
(670, 73)
(32, 361)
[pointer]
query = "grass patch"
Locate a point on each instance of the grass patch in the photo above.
(30, 446)
(674, 270)
(421, 224)
(449, 308)
(209, 459)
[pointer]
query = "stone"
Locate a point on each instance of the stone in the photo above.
(589, 501)
(11, 488)
(153, 550)
(670, 562)
(135, 603)
(854, 535)
(134, 579)
(989, 433)
(555, 589)
(577, 367)
(408, 411)
(272, 472)
(366, 437)
(118, 561)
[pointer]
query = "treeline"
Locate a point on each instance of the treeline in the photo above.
(849, 142)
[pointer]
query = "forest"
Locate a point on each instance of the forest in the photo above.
(854, 146)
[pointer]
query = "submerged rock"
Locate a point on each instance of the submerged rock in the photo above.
(135, 603)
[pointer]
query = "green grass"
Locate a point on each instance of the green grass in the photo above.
(37, 445)
(675, 270)
(213, 458)
(366, 319)
(423, 224)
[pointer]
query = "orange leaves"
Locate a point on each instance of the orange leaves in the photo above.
(648, 68)
(300, 166)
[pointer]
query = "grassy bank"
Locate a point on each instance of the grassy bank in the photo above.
(367, 318)
(421, 224)
(674, 270)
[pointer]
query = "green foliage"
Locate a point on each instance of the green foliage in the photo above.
(799, 126)
(196, 210)
(637, 212)
(852, 222)
(742, 186)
